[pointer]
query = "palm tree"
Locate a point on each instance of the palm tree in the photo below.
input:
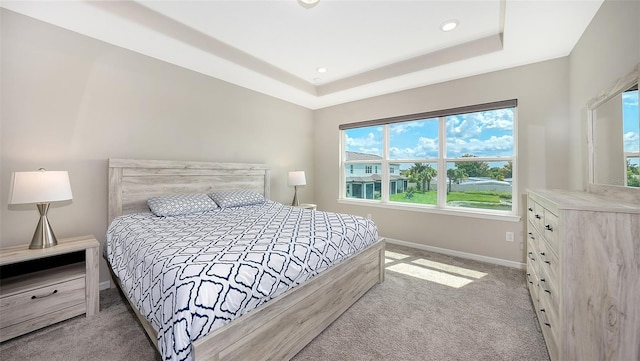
(429, 174)
(415, 174)
(455, 175)
(421, 174)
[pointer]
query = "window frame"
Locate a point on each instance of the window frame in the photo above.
(440, 207)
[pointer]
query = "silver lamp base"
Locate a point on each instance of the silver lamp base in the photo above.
(295, 202)
(43, 236)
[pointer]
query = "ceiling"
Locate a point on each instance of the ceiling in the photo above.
(369, 48)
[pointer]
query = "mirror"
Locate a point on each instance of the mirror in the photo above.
(614, 135)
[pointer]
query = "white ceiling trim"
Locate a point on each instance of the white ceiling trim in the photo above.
(526, 32)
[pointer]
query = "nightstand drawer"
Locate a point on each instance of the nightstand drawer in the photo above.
(38, 302)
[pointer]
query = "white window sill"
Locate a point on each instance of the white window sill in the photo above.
(464, 212)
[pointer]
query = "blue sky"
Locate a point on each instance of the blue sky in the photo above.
(630, 124)
(484, 134)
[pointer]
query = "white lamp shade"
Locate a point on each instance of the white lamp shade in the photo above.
(296, 178)
(39, 187)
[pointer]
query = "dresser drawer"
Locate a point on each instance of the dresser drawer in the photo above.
(39, 302)
(535, 214)
(549, 265)
(550, 230)
(532, 282)
(550, 328)
(534, 235)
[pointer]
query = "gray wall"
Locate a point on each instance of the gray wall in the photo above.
(70, 102)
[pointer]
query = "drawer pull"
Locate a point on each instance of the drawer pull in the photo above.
(529, 278)
(531, 235)
(544, 259)
(543, 315)
(50, 294)
(544, 288)
(548, 227)
(530, 209)
(538, 216)
(531, 256)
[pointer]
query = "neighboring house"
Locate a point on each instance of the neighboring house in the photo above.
(482, 184)
(365, 180)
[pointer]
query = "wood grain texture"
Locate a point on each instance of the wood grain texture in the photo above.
(603, 260)
(286, 328)
(7, 333)
(34, 300)
(593, 306)
(39, 302)
(630, 194)
(616, 88)
(280, 328)
(92, 281)
(132, 182)
(22, 253)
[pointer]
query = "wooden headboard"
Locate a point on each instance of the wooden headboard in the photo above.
(132, 181)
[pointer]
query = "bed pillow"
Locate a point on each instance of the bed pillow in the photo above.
(180, 204)
(237, 198)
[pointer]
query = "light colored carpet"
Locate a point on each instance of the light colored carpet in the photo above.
(430, 307)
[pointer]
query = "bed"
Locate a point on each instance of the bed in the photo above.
(277, 328)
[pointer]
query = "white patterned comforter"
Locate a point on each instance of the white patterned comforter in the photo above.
(189, 275)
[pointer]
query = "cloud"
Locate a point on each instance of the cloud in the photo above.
(631, 142)
(474, 124)
(399, 128)
(630, 99)
(492, 147)
(369, 144)
(426, 148)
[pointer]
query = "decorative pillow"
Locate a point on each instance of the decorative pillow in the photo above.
(180, 204)
(238, 198)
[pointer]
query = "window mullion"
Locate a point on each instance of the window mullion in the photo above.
(385, 165)
(442, 164)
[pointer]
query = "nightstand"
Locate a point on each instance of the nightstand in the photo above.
(308, 206)
(40, 287)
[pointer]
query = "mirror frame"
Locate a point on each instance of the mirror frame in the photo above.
(616, 88)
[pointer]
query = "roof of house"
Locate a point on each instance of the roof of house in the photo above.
(373, 178)
(361, 156)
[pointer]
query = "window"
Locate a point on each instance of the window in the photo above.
(463, 158)
(631, 136)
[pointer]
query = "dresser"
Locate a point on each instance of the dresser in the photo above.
(39, 287)
(583, 274)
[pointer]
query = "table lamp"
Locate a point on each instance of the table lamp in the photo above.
(40, 187)
(296, 178)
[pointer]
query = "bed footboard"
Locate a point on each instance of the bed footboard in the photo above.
(282, 327)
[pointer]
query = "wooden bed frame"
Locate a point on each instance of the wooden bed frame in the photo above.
(280, 328)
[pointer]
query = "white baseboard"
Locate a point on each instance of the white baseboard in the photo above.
(475, 257)
(104, 285)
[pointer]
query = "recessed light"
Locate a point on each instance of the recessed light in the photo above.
(308, 4)
(321, 69)
(449, 25)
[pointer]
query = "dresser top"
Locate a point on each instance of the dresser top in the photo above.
(581, 200)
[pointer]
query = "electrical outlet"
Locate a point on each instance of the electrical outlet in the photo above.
(368, 215)
(509, 237)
